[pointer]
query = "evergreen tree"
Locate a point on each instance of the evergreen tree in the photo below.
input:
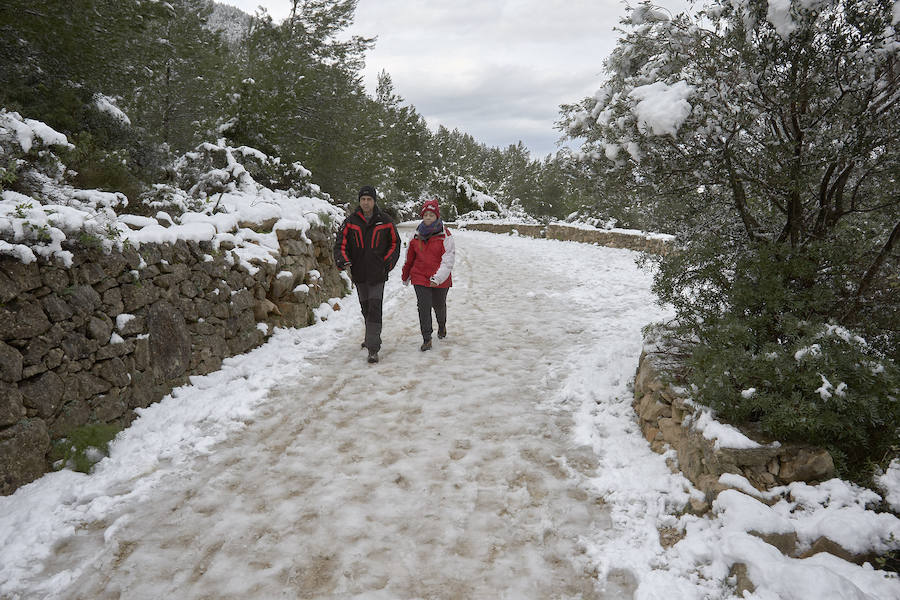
(776, 161)
(177, 86)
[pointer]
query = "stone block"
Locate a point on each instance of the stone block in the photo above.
(106, 284)
(281, 286)
(153, 253)
(113, 264)
(12, 409)
(77, 347)
(221, 311)
(174, 275)
(805, 464)
(142, 353)
(22, 320)
(215, 269)
(37, 347)
(245, 339)
(824, 544)
(43, 393)
(56, 308)
(23, 448)
(203, 308)
(672, 431)
(263, 308)
(70, 417)
(292, 314)
(241, 301)
(88, 273)
(132, 258)
(10, 363)
(134, 326)
(170, 342)
(54, 358)
(657, 410)
(295, 248)
(8, 288)
(100, 328)
(650, 432)
(181, 252)
(108, 407)
(188, 289)
(142, 391)
(738, 458)
(32, 370)
(113, 371)
(84, 300)
(55, 278)
(112, 301)
(138, 295)
(90, 385)
(26, 277)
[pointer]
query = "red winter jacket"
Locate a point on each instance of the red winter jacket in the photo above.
(432, 257)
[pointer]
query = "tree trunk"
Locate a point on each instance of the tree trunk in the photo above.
(873, 269)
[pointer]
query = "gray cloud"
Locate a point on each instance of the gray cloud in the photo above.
(497, 70)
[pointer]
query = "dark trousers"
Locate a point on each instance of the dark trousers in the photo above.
(371, 296)
(428, 298)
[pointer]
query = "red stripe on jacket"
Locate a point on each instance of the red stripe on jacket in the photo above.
(393, 246)
(358, 231)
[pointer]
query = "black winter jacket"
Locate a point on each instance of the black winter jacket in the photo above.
(372, 247)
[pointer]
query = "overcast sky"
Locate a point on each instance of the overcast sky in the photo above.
(496, 69)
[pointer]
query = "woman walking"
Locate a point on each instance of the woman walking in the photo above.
(429, 260)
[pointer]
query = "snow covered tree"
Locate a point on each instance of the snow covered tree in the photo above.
(764, 134)
(300, 96)
(64, 63)
(176, 89)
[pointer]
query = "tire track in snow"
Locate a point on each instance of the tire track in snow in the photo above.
(444, 474)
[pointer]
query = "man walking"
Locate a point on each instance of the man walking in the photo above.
(368, 246)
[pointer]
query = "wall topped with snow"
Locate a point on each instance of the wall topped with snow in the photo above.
(611, 238)
(89, 335)
(707, 449)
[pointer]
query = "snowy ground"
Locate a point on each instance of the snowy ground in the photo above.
(504, 463)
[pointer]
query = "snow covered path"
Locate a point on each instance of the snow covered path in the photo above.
(447, 474)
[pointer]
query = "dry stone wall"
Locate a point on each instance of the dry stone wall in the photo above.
(667, 419)
(653, 244)
(91, 342)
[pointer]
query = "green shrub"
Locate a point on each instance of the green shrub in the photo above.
(84, 447)
(97, 167)
(818, 385)
(763, 344)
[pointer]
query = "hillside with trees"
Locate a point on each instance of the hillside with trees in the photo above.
(135, 85)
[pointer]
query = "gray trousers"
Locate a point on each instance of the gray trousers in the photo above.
(371, 296)
(428, 298)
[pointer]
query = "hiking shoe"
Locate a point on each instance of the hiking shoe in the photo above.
(442, 332)
(373, 357)
(426, 345)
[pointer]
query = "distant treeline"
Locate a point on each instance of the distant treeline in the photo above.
(186, 72)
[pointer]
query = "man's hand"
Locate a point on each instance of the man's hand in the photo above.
(406, 282)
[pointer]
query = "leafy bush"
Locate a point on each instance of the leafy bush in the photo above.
(765, 349)
(819, 385)
(84, 447)
(98, 167)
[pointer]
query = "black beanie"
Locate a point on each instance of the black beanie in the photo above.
(368, 190)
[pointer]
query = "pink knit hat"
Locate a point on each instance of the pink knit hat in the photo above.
(431, 205)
